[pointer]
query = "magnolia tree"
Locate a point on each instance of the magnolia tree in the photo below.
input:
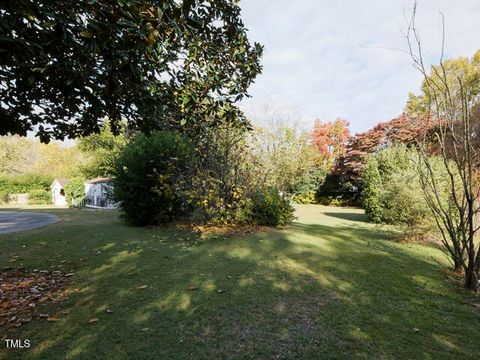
(451, 96)
(159, 64)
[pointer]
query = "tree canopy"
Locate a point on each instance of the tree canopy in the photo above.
(330, 138)
(403, 129)
(65, 65)
(20, 156)
(459, 75)
(101, 151)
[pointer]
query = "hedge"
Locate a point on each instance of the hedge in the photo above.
(24, 183)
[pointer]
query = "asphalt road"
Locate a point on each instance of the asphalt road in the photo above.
(14, 221)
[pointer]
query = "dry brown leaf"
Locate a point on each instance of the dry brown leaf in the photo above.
(53, 318)
(192, 287)
(92, 321)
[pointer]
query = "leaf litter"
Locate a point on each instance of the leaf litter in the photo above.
(23, 293)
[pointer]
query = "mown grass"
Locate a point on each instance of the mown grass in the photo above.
(330, 286)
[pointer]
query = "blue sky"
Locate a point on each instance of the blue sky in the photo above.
(325, 59)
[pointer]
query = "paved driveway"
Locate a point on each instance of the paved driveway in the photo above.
(13, 221)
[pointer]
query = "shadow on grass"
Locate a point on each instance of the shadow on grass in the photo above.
(351, 216)
(311, 291)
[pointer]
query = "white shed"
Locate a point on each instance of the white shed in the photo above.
(98, 193)
(58, 193)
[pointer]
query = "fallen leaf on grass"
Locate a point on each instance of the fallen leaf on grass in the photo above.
(142, 287)
(22, 291)
(416, 330)
(220, 291)
(145, 329)
(92, 321)
(23, 321)
(109, 311)
(53, 318)
(192, 287)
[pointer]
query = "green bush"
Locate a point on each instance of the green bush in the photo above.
(213, 203)
(24, 183)
(391, 188)
(304, 191)
(4, 198)
(392, 191)
(339, 190)
(338, 200)
(39, 197)
(152, 178)
(390, 177)
(75, 191)
(305, 198)
(269, 207)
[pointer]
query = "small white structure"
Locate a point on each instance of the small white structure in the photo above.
(58, 193)
(98, 193)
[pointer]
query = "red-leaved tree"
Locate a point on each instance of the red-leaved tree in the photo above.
(402, 129)
(345, 177)
(331, 138)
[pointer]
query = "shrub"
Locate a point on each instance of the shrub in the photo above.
(304, 191)
(336, 201)
(152, 178)
(4, 198)
(39, 197)
(287, 159)
(305, 198)
(24, 183)
(392, 193)
(372, 189)
(269, 207)
(223, 170)
(216, 205)
(339, 189)
(390, 179)
(75, 191)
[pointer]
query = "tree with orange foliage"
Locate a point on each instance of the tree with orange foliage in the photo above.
(403, 129)
(330, 138)
(344, 179)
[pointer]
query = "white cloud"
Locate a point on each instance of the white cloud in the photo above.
(328, 58)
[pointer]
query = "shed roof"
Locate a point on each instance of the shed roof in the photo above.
(60, 181)
(99, 180)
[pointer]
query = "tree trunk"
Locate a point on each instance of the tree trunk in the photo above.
(471, 279)
(457, 265)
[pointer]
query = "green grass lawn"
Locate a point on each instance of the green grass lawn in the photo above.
(330, 286)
